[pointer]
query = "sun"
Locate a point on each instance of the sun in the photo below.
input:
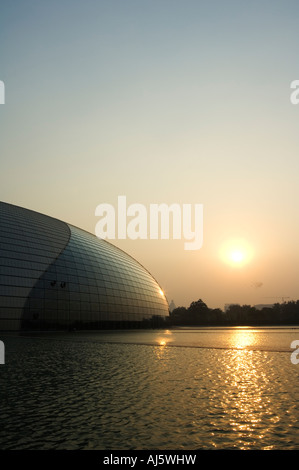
(236, 252)
(237, 256)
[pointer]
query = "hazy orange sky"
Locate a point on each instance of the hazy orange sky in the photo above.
(164, 102)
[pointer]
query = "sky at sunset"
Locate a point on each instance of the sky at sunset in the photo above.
(162, 101)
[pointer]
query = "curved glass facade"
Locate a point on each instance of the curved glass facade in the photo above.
(54, 275)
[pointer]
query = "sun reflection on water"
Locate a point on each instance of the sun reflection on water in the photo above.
(164, 339)
(243, 338)
(244, 402)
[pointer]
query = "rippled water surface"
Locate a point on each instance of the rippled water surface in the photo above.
(181, 389)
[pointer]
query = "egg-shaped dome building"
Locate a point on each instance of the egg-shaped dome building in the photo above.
(54, 276)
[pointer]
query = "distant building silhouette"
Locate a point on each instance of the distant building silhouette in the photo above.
(261, 306)
(172, 306)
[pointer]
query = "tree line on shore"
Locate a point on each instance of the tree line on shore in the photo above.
(198, 313)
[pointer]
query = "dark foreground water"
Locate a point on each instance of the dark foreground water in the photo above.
(232, 388)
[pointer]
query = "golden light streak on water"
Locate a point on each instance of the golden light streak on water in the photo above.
(212, 389)
(165, 339)
(242, 338)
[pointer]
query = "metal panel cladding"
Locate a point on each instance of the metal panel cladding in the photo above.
(55, 275)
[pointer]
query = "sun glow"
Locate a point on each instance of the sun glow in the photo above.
(237, 256)
(236, 252)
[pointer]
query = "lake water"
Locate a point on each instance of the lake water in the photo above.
(201, 388)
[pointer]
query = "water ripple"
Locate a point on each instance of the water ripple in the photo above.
(86, 394)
